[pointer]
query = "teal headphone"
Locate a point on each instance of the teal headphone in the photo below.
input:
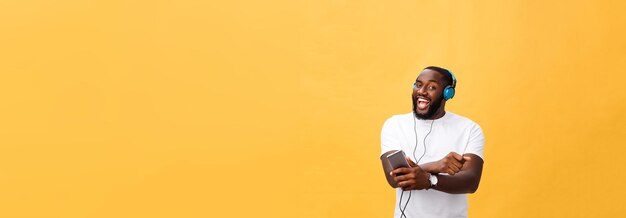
(448, 91)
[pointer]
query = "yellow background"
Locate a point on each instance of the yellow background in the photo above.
(274, 109)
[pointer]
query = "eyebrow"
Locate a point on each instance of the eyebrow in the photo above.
(432, 80)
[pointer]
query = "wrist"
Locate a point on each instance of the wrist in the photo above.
(428, 167)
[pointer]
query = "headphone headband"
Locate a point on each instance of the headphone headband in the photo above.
(453, 79)
(448, 91)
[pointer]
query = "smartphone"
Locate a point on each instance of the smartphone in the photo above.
(397, 160)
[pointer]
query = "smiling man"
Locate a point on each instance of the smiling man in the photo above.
(444, 151)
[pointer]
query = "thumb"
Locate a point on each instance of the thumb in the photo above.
(411, 163)
(466, 158)
(456, 156)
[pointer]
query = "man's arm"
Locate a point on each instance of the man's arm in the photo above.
(450, 164)
(466, 180)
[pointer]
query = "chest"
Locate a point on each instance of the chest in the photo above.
(426, 143)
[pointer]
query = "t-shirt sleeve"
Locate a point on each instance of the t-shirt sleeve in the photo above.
(476, 141)
(389, 136)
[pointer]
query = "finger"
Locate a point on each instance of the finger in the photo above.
(400, 171)
(406, 184)
(411, 163)
(407, 188)
(456, 163)
(395, 172)
(399, 179)
(456, 156)
(450, 172)
(451, 161)
(454, 168)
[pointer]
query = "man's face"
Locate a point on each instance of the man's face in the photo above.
(427, 94)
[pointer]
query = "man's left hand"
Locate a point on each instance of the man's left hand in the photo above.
(411, 178)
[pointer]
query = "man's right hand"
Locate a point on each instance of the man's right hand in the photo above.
(450, 164)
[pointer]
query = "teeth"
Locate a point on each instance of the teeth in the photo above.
(421, 99)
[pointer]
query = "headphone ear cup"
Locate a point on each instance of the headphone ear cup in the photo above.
(448, 93)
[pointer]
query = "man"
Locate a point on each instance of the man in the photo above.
(444, 151)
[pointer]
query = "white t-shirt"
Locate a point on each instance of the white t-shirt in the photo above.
(450, 133)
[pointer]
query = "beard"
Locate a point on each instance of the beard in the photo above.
(432, 108)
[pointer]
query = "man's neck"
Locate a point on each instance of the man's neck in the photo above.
(438, 114)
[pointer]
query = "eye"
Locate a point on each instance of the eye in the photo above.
(432, 88)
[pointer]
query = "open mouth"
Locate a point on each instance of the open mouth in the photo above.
(422, 103)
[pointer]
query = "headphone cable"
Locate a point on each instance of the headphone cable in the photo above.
(417, 163)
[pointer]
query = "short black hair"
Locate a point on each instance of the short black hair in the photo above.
(447, 75)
